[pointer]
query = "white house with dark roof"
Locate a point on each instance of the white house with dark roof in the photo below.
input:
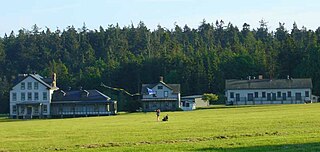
(160, 95)
(192, 102)
(268, 91)
(31, 96)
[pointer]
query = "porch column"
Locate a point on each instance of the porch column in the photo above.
(40, 112)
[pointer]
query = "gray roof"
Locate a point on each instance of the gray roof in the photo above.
(191, 97)
(78, 96)
(45, 81)
(269, 84)
(174, 87)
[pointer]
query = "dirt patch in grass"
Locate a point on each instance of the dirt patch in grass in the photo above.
(186, 140)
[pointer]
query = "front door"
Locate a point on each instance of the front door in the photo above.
(29, 110)
(237, 97)
(284, 96)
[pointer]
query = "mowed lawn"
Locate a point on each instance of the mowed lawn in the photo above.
(245, 128)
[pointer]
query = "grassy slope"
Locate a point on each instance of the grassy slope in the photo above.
(264, 128)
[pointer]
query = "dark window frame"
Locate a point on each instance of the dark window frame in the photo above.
(232, 95)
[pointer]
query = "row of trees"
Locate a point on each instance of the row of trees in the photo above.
(200, 59)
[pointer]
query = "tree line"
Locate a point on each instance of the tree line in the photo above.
(200, 59)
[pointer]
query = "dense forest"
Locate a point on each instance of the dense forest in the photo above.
(199, 59)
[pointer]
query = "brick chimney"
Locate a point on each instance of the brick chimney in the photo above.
(54, 80)
(161, 78)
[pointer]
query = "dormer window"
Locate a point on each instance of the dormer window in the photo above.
(160, 87)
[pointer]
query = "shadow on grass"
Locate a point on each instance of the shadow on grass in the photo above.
(224, 107)
(5, 118)
(306, 147)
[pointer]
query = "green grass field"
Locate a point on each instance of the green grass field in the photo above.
(246, 128)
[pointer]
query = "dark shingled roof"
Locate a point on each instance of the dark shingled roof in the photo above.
(268, 84)
(79, 96)
(174, 87)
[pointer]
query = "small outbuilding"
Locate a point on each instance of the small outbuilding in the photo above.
(193, 102)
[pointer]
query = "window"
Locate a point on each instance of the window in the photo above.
(274, 96)
(23, 96)
(96, 108)
(231, 94)
(45, 96)
(307, 93)
(289, 94)
(160, 87)
(36, 96)
(250, 96)
(29, 96)
(23, 85)
(22, 110)
(284, 96)
(298, 96)
(45, 108)
(29, 85)
(36, 110)
(14, 109)
(187, 104)
(263, 94)
(14, 96)
(237, 97)
(165, 94)
(279, 94)
(268, 96)
(256, 94)
(35, 85)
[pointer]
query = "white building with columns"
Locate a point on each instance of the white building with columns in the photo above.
(268, 91)
(31, 95)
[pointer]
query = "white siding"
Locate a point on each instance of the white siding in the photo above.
(264, 100)
(41, 88)
(160, 93)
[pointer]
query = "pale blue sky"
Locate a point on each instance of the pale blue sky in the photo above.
(18, 14)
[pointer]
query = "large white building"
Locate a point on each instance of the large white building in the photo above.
(268, 91)
(31, 96)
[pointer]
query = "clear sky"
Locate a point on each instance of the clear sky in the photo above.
(18, 14)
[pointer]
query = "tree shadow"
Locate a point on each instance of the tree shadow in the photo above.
(305, 147)
(225, 107)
